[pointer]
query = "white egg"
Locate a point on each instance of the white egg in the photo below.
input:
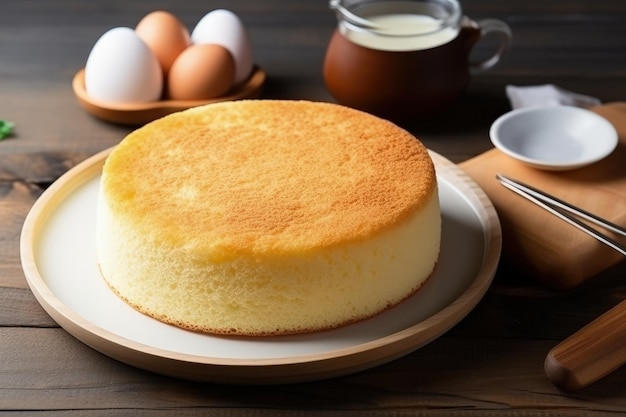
(223, 27)
(122, 68)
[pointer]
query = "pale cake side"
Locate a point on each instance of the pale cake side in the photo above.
(267, 217)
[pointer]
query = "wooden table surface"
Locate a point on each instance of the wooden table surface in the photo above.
(490, 364)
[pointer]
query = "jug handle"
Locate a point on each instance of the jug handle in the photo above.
(500, 28)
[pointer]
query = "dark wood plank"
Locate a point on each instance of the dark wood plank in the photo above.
(445, 375)
(19, 308)
(16, 199)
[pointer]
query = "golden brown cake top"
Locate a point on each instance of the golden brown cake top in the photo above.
(267, 177)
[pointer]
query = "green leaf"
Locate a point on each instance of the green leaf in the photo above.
(6, 128)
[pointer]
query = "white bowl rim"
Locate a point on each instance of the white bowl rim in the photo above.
(609, 143)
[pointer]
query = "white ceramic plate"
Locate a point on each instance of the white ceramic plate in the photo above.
(554, 137)
(58, 257)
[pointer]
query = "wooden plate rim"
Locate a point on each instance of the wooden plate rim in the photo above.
(257, 371)
(139, 113)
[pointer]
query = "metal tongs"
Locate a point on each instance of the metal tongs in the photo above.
(599, 348)
(567, 212)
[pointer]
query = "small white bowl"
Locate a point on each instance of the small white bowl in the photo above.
(554, 137)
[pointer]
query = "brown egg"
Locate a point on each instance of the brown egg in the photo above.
(201, 72)
(165, 35)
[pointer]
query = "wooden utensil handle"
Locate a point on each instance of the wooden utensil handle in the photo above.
(591, 353)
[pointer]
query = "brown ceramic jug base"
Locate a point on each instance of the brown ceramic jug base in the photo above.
(399, 85)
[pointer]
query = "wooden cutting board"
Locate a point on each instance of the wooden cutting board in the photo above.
(548, 249)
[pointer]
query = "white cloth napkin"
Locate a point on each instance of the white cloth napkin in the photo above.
(548, 94)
